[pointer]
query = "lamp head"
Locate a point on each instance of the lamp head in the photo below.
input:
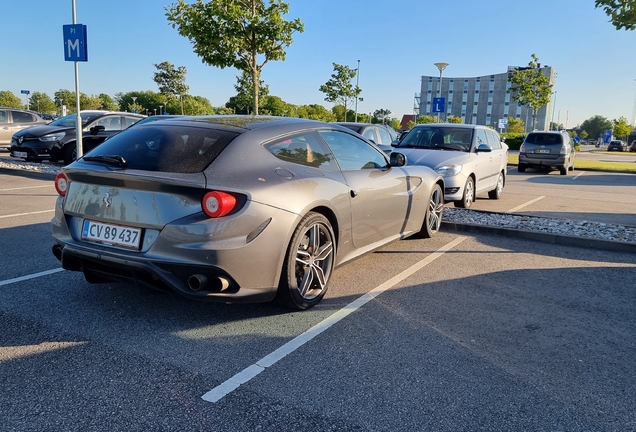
(441, 66)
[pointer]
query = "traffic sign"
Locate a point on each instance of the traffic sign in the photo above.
(439, 104)
(75, 43)
(25, 92)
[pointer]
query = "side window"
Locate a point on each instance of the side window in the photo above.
(370, 135)
(110, 123)
(128, 121)
(481, 138)
(352, 153)
(3, 117)
(385, 138)
(22, 117)
(304, 149)
(495, 142)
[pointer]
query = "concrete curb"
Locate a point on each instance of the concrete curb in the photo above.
(28, 174)
(584, 242)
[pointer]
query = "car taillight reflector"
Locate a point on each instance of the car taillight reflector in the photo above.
(61, 183)
(217, 204)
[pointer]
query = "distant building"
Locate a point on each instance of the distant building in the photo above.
(481, 100)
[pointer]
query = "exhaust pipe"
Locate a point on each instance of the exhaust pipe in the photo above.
(57, 252)
(201, 282)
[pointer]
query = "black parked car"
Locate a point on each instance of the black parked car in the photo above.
(57, 140)
(617, 145)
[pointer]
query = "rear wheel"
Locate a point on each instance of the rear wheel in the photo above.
(498, 190)
(521, 168)
(469, 194)
(563, 170)
(433, 218)
(309, 262)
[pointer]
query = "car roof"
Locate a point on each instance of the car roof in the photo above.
(248, 121)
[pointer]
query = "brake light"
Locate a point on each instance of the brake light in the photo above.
(217, 204)
(522, 149)
(61, 184)
(563, 150)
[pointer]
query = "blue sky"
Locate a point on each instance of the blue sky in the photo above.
(396, 42)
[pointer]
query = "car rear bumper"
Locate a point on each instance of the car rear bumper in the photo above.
(536, 162)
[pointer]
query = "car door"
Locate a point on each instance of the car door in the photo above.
(499, 154)
(484, 163)
(379, 195)
(5, 129)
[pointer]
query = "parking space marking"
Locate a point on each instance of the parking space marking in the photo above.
(31, 276)
(250, 372)
(525, 204)
(577, 176)
(25, 187)
(26, 214)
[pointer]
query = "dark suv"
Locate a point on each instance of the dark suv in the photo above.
(617, 145)
(57, 140)
(549, 150)
(13, 120)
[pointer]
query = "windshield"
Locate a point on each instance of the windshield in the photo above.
(439, 138)
(71, 119)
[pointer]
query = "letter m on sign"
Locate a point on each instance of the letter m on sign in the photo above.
(75, 44)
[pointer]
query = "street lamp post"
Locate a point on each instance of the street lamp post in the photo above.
(134, 98)
(441, 67)
(155, 109)
(634, 110)
(357, 82)
(553, 108)
(160, 109)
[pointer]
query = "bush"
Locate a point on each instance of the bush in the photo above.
(514, 140)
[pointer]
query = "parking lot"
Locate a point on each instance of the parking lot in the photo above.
(459, 332)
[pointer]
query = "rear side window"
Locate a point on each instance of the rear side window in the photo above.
(22, 117)
(166, 148)
(546, 139)
(304, 149)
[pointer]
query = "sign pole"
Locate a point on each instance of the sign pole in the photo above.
(78, 124)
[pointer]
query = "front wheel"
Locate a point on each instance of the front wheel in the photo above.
(433, 218)
(469, 194)
(70, 153)
(498, 190)
(308, 264)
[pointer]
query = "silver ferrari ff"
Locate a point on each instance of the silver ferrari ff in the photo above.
(237, 208)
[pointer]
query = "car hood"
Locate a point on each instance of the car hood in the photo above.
(38, 131)
(433, 158)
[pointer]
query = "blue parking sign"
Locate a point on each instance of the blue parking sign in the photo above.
(439, 104)
(75, 44)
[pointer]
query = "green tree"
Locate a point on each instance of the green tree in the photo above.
(339, 88)
(395, 124)
(42, 103)
(622, 128)
(64, 97)
(146, 102)
(108, 103)
(171, 81)
(381, 116)
(531, 87)
(595, 126)
(454, 119)
(242, 102)
(245, 34)
(622, 13)
(273, 105)
(515, 125)
(9, 100)
(315, 112)
(91, 102)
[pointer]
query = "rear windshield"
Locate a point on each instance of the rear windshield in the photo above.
(166, 148)
(547, 138)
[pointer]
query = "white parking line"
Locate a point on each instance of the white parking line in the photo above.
(577, 176)
(250, 372)
(27, 187)
(31, 276)
(525, 204)
(26, 214)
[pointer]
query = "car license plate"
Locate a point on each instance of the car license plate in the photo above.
(111, 234)
(543, 151)
(19, 154)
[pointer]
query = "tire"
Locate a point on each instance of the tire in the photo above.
(521, 168)
(563, 170)
(498, 190)
(308, 264)
(469, 194)
(433, 219)
(70, 153)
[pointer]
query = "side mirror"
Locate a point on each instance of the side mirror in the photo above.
(97, 129)
(483, 148)
(395, 142)
(397, 159)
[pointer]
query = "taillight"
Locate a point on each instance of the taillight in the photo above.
(522, 149)
(217, 204)
(61, 183)
(563, 150)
